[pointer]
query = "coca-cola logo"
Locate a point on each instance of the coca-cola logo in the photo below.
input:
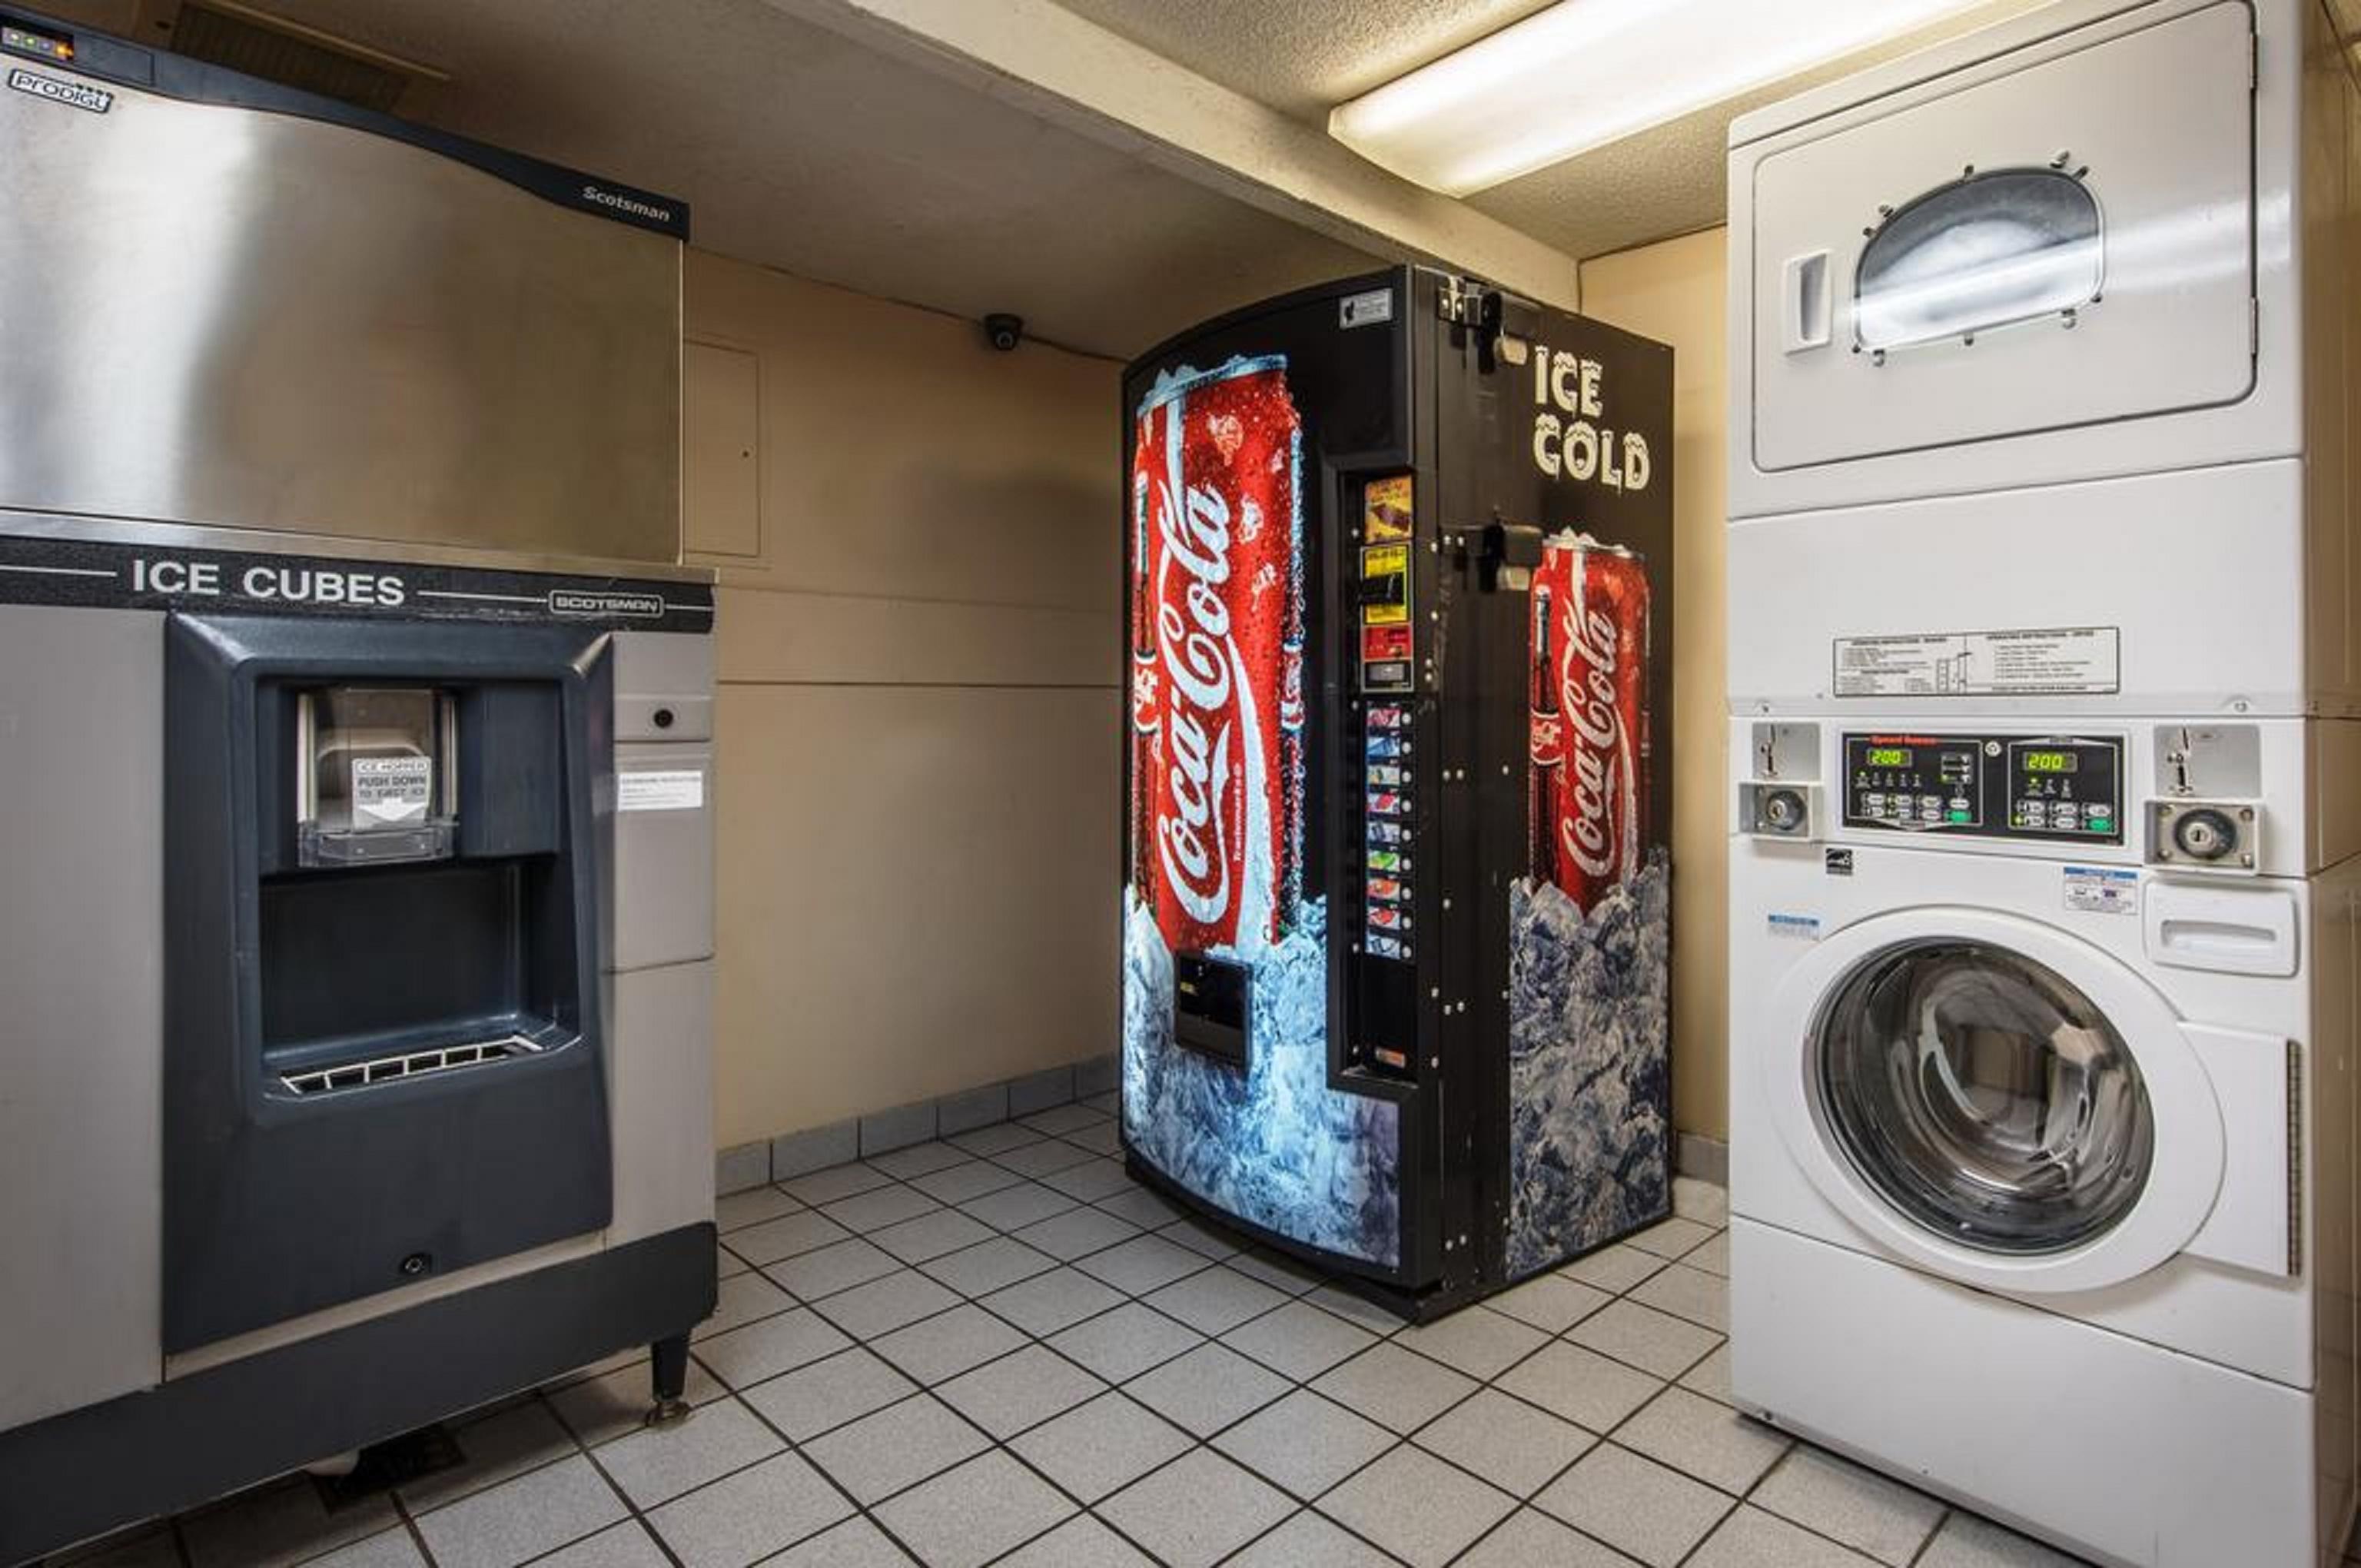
(1586, 698)
(1192, 622)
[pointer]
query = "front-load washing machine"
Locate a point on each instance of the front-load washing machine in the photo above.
(2042, 1110)
(2042, 350)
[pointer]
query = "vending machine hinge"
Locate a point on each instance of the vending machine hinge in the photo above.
(1454, 301)
(1498, 315)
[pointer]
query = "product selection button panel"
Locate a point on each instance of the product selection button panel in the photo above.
(2068, 788)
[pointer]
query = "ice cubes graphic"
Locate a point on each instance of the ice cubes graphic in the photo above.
(1590, 1087)
(1273, 1144)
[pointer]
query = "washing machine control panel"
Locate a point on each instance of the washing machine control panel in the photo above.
(2065, 788)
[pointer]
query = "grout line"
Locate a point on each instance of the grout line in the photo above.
(1207, 1441)
(409, 1523)
(1941, 1521)
(1294, 1291)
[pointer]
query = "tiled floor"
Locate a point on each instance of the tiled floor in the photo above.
(999, 1350)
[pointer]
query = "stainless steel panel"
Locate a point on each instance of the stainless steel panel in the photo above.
(228, 317)
(81, 735)
(663, 854)
(667, 673)
(661, 906)
(660, 1089)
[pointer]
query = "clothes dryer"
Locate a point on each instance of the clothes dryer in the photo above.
(2039, 367)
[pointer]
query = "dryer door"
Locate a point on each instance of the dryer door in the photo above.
(1995, 1100)
(2064, 241)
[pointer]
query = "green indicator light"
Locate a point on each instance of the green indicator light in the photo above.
(2101, 824)
(1959, 816)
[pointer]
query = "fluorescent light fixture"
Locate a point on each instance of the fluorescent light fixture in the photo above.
(1585, 72)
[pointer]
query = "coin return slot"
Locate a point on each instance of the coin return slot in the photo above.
(408, 1065)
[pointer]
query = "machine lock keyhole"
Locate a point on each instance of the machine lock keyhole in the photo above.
(2205, 834)
(417, 1265)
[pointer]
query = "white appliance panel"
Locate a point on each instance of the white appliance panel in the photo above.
(2192, 580)
(2000, 314)
(2128, 1454)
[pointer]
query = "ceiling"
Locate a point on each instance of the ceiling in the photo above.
(800, 149)
(1304, 56)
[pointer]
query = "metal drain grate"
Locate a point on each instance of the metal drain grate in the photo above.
(408, 1064)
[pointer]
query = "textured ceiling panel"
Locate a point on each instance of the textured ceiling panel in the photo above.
(1304, 57)
(799, 149)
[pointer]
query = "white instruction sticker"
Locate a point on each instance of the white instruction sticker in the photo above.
(2075, 660)
(1366, 309)
(668, 789)
(1799, 927)
(392, 789)
(2102, 890)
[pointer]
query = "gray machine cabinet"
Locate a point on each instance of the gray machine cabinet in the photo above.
(81, 1006)
(279, 1201)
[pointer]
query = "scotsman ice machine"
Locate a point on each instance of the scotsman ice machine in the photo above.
(1398, 914)
(356, 927)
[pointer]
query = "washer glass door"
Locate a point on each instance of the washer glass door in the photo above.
(1984, 1097)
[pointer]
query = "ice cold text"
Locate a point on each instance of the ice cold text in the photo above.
(1570, 439)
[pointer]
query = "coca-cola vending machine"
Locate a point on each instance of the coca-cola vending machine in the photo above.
(1396, 915)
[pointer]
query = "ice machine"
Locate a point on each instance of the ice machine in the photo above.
(355, 939)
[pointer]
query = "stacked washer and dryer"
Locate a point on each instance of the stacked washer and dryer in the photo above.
(2044, 684)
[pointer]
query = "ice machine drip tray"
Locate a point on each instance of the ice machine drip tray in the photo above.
(405, 1065)
(386, 974)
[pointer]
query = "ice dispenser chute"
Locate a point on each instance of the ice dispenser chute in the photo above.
(383, 975)
(373, 774)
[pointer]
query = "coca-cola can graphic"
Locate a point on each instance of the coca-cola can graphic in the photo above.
(1588, 727)
(1217, 638)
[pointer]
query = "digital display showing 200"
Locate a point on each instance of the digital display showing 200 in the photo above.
(1889, 757)
(2050, 761)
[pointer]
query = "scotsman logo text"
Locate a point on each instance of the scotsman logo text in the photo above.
(603, 601)
(630, 204)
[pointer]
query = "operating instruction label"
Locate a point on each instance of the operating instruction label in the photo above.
(660, 789)
(2057, 661)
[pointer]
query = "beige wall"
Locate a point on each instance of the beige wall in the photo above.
(919, 667)
(1673, 292)
(917, 705)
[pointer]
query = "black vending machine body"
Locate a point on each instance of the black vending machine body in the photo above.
(1398, 561)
